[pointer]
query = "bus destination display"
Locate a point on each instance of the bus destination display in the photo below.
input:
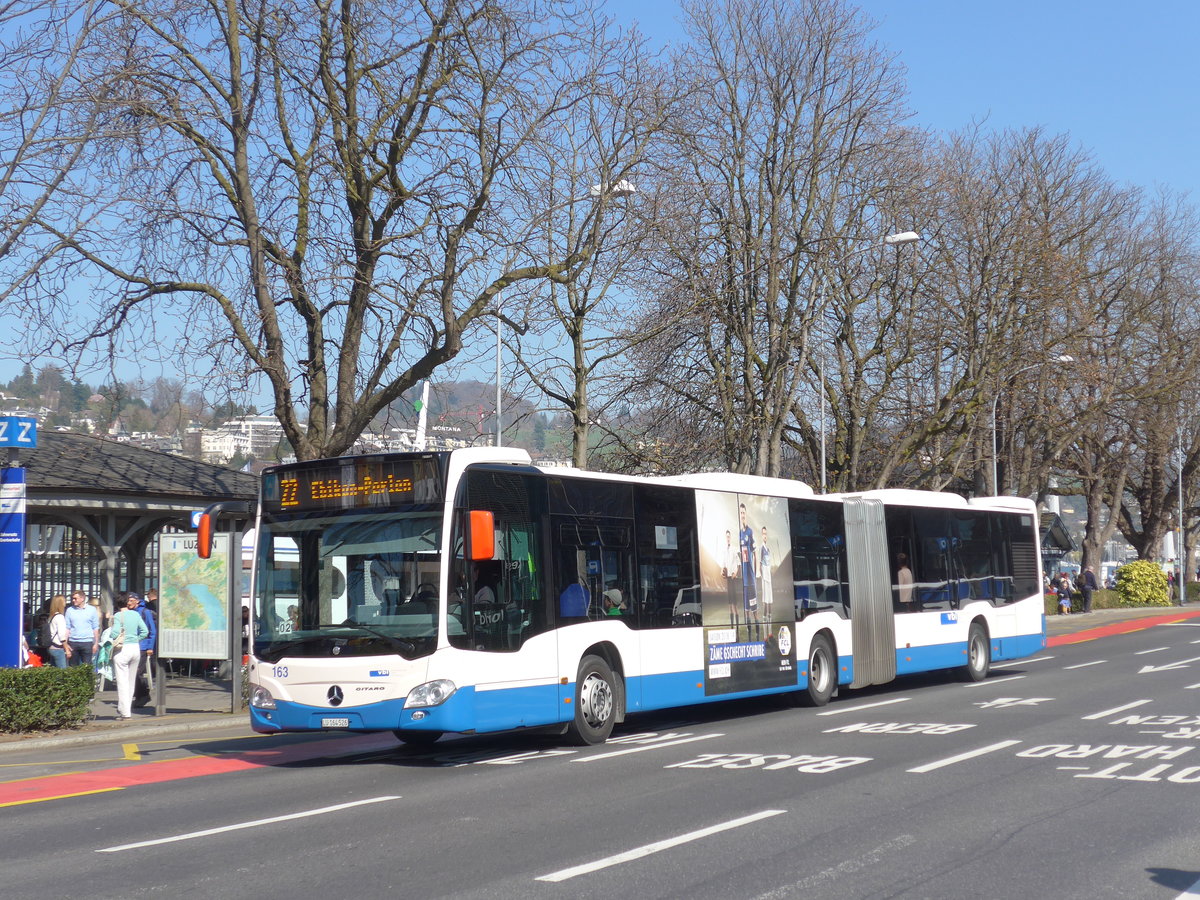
(373, 483)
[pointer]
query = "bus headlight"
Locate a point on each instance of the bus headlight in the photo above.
(260, 698)
(431, 693)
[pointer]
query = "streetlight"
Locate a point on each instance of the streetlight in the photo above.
(597, 192)
(1064, 358)
(1181, 570)
(889, 240)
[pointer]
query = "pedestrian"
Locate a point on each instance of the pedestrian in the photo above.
(57, 648)
(1063, 587)
(83, 625)
(1087, 586)
(141, 684)
(130, 629)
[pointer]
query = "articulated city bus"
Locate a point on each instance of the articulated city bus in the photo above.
(471, 591)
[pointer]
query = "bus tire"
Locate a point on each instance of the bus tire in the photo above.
(979, 654)
(822, 672)
(418, 740)
(595, 703)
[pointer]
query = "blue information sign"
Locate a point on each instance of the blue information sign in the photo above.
(18, 431)
(12, 563)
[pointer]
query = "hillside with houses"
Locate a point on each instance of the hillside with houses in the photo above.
(163, 416)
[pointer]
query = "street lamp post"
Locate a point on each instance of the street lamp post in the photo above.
(889, 240)
(1064, 358)
(597, 192)
(1180, 553)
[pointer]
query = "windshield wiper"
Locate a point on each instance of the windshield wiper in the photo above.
(276, 650)
(405, 647)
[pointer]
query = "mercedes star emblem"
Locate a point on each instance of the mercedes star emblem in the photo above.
(335, 696)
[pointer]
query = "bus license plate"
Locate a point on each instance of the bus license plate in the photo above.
(335, 723)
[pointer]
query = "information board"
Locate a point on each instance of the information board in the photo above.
(12, 563)
(194, 598)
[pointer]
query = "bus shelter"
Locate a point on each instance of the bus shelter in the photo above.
(95, 508)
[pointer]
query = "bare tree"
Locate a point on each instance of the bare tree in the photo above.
(328, 194)
(788, 104)
(1159, 419)
(577, 330)
(46, 115)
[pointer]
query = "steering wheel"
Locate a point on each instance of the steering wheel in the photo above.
(425, 591)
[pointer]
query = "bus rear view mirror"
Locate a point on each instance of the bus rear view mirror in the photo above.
(204, 534)
(481, 532)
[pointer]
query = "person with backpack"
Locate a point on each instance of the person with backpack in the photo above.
(141, 690)
(1087, 585)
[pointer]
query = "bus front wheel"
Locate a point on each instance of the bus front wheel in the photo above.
(595, 703)
(979, 654)
(418, 740)
(822, 672)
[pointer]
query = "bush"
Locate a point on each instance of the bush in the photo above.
(1142, 583)
(45, 698)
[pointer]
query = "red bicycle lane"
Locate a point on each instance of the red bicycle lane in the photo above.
(78, 784)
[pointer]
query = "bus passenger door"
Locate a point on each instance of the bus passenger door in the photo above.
(873, 625)
(498, 609)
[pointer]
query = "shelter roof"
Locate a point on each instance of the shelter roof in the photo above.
(66, 463)
(1056, 538)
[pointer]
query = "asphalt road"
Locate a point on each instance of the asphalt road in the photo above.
(1074, 774)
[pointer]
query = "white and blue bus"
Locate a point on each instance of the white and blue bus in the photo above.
(471, 592)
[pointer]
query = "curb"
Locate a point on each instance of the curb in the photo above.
(118, 733)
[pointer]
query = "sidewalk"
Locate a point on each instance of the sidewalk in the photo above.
(1064, 629)
(194, 703)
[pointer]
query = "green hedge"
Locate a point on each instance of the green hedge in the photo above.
(45, 698)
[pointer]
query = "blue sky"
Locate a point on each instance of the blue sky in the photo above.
(1119, 78)
(1116, 77)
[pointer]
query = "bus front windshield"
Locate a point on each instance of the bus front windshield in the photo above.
(353, 584)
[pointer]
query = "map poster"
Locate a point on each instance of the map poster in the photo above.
(193, 598)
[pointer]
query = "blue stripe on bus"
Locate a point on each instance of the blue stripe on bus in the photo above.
(910, 660)
(469, 710)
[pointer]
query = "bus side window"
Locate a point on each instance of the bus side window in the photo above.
(668, 575)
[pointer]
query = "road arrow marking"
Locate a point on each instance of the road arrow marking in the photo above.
(1182, 664)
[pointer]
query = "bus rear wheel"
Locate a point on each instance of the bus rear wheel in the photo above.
(595, 703)
(822, 672)
(979, 654)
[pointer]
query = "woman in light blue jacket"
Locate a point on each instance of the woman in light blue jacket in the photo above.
(129, 624)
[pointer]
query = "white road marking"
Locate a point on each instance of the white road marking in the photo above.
(970, 754)
(1116, 709)
(658, 846)
(1192, 687)
(990, 681)
(1021, 662)
(1095, 662)
(611, 754)
(848, 709)
(1181, 664)
(239, 826)
(1151, 650)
